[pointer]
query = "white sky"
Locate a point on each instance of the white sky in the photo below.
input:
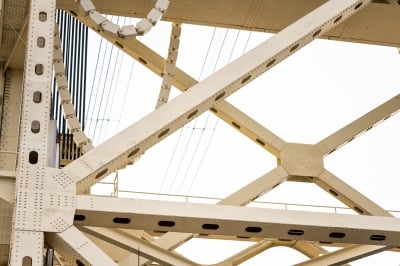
(307, 97)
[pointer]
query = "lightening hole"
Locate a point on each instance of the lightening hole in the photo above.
(246, 79)
(253, 229)
(337, 235)
(33, 157)
(236, 125)
(40, 42)
(337, 19)
(101, 173)
(120, 45)
(35, 126)
(42, 16)
(79, 263)
(210, 226)
(141, 60)
(378, 237)
(360, 4)
(270, 63)
(294, 47)
(334, 193)
(121, 220)
(132, 153)
(79, 217)
(39, 69)
(192, 114)
(316, 33)
(220, 96)
(27, 261)
(162, 134)
(166, 223)
(259, 141)
(295, 232)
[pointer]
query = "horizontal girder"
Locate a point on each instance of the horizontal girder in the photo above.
(237, 221)
(377, 24)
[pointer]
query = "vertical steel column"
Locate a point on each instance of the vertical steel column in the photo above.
(28, 222)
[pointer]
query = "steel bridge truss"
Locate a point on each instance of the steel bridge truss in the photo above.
(51, 212)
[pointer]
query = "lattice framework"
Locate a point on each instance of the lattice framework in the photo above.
(60, 208)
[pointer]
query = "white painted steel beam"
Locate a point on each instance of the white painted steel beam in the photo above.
(359, 126)
(257, 188)
(76, 249)
(360, 204)
(31, 196)
(277, 150)
(249, 127)
(236, 221)
(248, 253)
(138, 246)
(377, 24)
(167, 242)
(122, 148)
(170, 65)
(348, 195)
(309, 249)
(345, 255)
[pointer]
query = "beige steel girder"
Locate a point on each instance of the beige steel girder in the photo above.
(137, 246)
(142, 60)
(232, 220)
(343, 256)
(151, 62)
(293, 48)
(77, 249)
(40, 189)
(28, 223)
(377, 24)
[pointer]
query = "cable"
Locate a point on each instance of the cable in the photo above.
(102, 91)
(103, 118)
(181, 130)
(217, 121)
(94, 78)
(114, 89)
(208, 115)
(194, 127)
(125, 94)
(247, 43)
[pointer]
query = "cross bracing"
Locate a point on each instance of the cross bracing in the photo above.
(49, 216)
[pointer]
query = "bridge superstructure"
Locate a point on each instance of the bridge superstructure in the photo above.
(48, 214)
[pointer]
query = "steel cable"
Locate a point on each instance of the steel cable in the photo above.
(181, 130)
